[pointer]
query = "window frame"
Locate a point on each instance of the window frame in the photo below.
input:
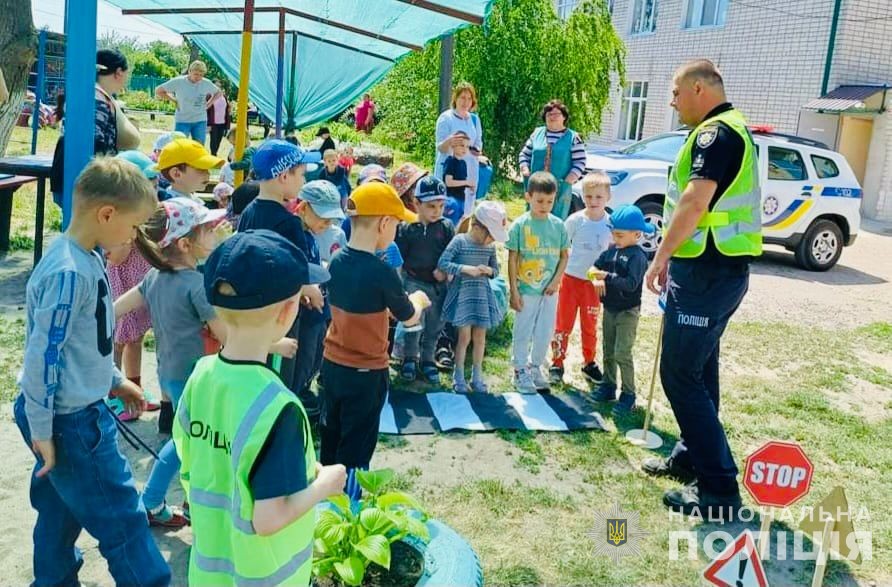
(565, 8)
(814, 164)
(789, 150)
(721, 15)
(629, 102)
(646, 30)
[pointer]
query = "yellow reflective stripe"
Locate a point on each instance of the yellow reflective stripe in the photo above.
(713, 219)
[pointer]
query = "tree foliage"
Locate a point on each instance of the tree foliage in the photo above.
(522, 57)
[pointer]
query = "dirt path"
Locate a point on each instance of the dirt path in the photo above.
(857, 292)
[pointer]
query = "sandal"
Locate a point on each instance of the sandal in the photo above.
(431, 373)
(460, 387)
(479, 386)
(409, 370)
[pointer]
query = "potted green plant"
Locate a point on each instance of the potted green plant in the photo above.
(386, 539)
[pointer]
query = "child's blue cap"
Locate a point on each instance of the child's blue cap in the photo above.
(262, 267)
(630, 217)
(274, 157)
(323, 197)
(141, 160)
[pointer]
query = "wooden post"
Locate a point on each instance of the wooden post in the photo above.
(765, 534)
(823, 553)
(241, 128)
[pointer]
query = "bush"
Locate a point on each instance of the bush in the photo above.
(522, 57)
(139, 100)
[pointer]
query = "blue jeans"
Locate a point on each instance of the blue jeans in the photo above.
(196, 130)
(168, 464)
(90, 488)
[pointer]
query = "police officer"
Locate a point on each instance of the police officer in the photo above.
(713, 232)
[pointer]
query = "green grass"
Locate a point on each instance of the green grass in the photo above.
(779, 381)
(12, 343)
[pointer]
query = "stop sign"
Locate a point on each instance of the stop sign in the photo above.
(778, 474)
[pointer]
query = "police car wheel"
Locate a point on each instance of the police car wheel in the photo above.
(653, 213)
(821, 246)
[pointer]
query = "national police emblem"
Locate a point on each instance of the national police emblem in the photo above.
(770, 205)
(706, 136)
(616, 533)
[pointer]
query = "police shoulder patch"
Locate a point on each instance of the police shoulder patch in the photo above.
(707, 136)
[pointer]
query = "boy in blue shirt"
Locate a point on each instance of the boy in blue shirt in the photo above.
(81, 479)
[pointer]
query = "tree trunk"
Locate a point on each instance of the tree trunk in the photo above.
(17, 53)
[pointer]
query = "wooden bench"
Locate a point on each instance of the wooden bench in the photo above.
(8, 187)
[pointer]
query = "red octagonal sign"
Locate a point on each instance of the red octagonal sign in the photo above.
(778, 474)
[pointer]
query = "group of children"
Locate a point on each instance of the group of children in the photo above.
(245, 323)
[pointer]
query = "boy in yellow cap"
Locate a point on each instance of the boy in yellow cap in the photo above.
(362, 291)
(186, 164)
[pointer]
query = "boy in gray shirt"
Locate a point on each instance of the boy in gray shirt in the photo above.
(81, 479)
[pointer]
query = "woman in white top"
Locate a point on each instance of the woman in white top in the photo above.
(461, 118)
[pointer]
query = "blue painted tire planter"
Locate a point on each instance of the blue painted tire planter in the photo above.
(448, 558)
(449, 561)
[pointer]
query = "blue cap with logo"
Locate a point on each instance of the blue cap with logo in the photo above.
(630, 217)
(429, 189)
(262, 267)
(275, 156)
(323, 197)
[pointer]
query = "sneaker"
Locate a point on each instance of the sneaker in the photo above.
(592, 373)
(523, 382)
(479, 386)
(431, 373)
(539, 380)
(409, 370)
(625, 404)
(670, 467)
(556, 375)
(165, 517)
(606, 392)
(713, 507)
(444, 358)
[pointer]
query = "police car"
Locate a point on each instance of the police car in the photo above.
(811, 199)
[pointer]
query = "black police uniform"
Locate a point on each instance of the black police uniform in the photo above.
(703, 293)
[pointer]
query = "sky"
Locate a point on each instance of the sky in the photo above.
(51, 14)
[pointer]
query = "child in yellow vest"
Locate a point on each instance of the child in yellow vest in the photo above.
(248, 462)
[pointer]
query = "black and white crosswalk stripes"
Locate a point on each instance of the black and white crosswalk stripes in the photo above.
(412, 413)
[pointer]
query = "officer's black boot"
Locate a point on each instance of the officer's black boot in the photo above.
(675, 466)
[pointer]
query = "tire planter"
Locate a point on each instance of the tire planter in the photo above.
(448, 558)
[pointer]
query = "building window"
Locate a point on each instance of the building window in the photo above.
(705, 13)
(565, 7)
(631, 117)
(644, 16)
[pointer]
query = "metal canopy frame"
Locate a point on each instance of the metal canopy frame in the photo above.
(80, 30)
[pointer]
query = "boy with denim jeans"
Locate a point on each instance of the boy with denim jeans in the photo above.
(81, 479)
(618, 277)
(421, 244)
(537, 256)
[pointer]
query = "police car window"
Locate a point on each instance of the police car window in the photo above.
(662, 147)
(785, 165)
(824, 167)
